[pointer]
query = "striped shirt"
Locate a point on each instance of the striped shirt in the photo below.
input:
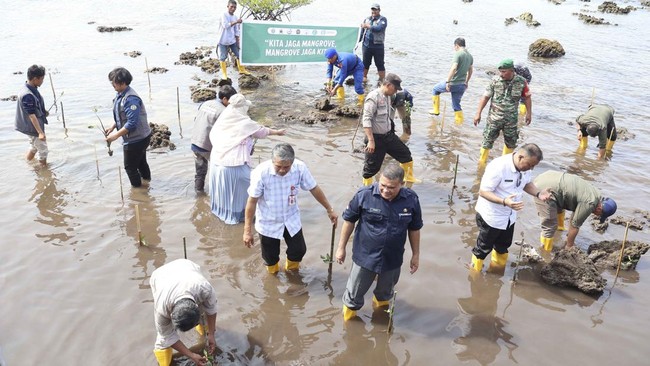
(277, 205)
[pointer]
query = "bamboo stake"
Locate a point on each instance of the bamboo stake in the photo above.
(119, 170)
(391, 311)
(455, 172)
(357, 129)
(96, 161)
(178, 107)
(620, 258)
(184, 248)
(53, 92)
(62, 114)
(137, 223)
(444, 109)
(146, 64)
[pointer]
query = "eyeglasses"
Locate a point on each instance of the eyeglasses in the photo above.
(519, 179)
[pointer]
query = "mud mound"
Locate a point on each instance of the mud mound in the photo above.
(210, 66)
(607, 253)
(133, 54)
(347, 111)
(634, 223)
(572, 268)
(11, 98)
(588, 19)
(103, 29)
(612, 7)
(192, 58)
(597, 226)
(546, 48)
(528, 18)
(308, 118)
(248, 82)
(160, 134)
(201, 94)
(623, 134)
(156, 70)
(324, 104)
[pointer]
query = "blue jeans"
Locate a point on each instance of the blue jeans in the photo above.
(223, 51)
(456, 90)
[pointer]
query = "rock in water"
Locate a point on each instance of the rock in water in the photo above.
(248, 82)
(572, 268)
(607, 253)
(546, 48)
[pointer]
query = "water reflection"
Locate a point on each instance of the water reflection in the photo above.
(150, 254)
(482, 331)
(373, 346)
(50, 202)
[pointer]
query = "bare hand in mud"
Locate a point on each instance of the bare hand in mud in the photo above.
(198, 359)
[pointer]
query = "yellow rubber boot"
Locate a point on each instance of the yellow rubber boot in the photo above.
(498, 259)
(477, 264)
(291, 265)
(522, 109)
(273, 269)
(484, 155)
(458, 117)
(242, 70)
(360, 100)
(224, 72)
(367, 181)
(506, 150)
(436, 104)
(408, 173)
(610, 145)
(340, 93)
(199, 329)
(163, 356)
(560, 221)
(584, 142)
(547, 243)
(377, 303)
(348, 313)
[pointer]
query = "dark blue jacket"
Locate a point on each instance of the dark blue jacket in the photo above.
(382, 227)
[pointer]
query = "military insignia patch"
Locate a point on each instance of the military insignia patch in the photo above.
(134, 107)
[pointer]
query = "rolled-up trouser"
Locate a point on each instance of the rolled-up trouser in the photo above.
(385, 144)
(360, 281)
(492, 238)
(223, 50)
(492, 129)
(135, 161)
(296, 247)
(547, 212)
(37, 145)
(456, 90)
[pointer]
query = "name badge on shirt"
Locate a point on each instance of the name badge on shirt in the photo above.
(374, 210)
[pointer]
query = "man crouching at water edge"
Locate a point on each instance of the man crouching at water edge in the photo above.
(131, 122)
(180, 293)
(386, 213)
(273, 192)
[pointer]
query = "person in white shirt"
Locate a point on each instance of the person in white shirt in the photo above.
(500, 197)
(228, 36)
(180, 294)
(273, 193)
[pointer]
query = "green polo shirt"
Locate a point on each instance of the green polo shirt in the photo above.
(572, 193)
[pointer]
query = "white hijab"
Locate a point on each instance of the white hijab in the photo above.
(232, 127)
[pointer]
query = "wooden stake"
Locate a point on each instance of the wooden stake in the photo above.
(137, 223)
(119, 170)
(332, 249)
(620, 258)
(444, 109)
(96, 161)
(391, 311)
(184, 248)
(146, 64)
(53, 92)
(62, 114)
(455, 172)
(178, 107)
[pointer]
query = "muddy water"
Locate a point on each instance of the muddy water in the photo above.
(74, 282)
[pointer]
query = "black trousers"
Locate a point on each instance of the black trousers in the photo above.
(490, 238)
(135, 161)
(296, 247)
(385, 144)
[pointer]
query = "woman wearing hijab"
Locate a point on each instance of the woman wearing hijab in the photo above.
(232, 139)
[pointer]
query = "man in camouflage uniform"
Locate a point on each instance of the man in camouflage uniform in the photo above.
(505, 91)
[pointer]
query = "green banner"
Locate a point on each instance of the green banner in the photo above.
(277, 43)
